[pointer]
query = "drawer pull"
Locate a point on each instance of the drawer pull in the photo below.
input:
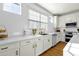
(4, 48)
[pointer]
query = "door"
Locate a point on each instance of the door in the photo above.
(27, 50)
(39, 46)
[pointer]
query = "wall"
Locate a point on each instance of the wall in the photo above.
(15, 23)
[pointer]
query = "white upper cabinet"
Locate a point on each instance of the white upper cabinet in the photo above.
(67, 19)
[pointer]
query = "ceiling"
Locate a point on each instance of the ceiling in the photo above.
(60, 8)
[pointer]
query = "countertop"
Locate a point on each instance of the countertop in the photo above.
(73, 46)
(19, 38)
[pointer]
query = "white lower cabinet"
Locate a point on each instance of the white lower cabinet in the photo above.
(50, 41)
(47, 42)
(27, 48)
(39, 46)
(9, 49)
(58, 37)
(35, 46)
(31, 47)
(54, 37)
(12, 52)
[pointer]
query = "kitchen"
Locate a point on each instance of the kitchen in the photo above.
(35, 29)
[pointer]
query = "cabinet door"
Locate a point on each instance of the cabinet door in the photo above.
(57, 40)
(46, 44)
(11, 52)
(58, 37)
(27, 50)
(39, 46)
(11, 49)
(63, 37)
(49, 41)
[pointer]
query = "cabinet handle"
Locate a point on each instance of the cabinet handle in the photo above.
(4, 48)
(16, 52)
(48, 40)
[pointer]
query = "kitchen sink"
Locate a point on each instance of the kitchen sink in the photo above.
(44, 34)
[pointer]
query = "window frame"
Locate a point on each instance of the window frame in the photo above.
(11, 8)
(33, 20)
(39, 22)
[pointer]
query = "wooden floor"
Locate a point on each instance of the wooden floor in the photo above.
(55, 51)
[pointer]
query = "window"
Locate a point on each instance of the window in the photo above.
(51, 19)
(12, 7)
(44, 26)
(44, 22)
(44, 19)
(34, 19)
(33, 24)
(55, 21)
(37, 20)
(33, 15)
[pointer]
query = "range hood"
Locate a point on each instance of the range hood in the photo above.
(73, 24)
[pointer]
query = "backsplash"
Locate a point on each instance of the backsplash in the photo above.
(34, 31)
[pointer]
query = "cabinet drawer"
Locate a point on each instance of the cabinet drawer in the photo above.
(26, 42)
(7, 47)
